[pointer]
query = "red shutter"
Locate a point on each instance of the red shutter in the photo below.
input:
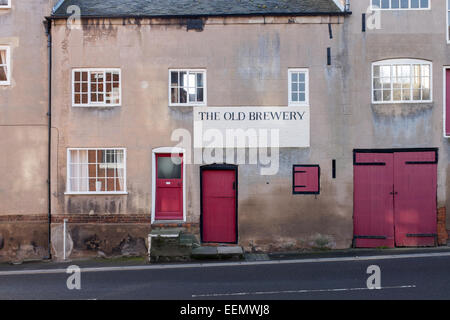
(306, 179)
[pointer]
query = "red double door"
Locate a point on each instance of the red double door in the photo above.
(219, 203)
(395, 198)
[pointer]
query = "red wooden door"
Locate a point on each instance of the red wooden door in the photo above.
(373, 200)
(169, 187)
(447, 103)
(415, 180)
(219, 190)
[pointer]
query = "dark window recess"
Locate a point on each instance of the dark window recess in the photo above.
(195, 24)
(363, 22)
(306, 179)
(329, 56)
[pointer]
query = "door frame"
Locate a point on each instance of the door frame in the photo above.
(154, 153)
(391, 150)
(444, 100)
(223, 167)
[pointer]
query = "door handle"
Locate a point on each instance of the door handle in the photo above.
(234, 185)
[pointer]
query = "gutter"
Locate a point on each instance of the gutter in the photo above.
(187, 16)
(48, 24)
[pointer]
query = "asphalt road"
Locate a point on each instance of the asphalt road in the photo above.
(402, 277)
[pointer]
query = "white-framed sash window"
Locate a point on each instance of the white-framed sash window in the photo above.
(400, 4)
(96, 171)
(5, 4)
(5, 65)
(96, 87)
(402, 81)
(187, 87)
(298, 87)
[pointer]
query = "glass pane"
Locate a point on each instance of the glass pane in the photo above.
(199, 95)
(397, 95)
(405, 3)
(301, 97)
(183, 79)
(3, 73)
(377, 95)
(376, 70)
(416, 94)
(199, 79)
(301, 77)
(376, 83)
(167, 169)
(174, 95)
(192, 79)
(294, 97)
(385, 4)
(406, 94)
(385, 71)
(424, 3)
(376, 3)
(386, 95)
(294, 77)
(174, 78)
(183, 95)
(415, 4)
(395, 4)
(426, 94)
(294, 86)
(301, 87)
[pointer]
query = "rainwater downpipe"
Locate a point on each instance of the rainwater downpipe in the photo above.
(47, 25)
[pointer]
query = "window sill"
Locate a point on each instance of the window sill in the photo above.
(95, 193)
(401, 102)
(298, 104)
(187, 105)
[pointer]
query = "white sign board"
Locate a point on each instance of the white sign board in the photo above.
(284, 127)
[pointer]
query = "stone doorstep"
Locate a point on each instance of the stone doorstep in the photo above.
(217, 252)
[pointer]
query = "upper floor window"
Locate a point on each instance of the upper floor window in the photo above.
(96, 171)
(5, 4)
(448, 21)
(401, 81)
(298, 87)
(187, 87)
(5, 65)
(401, 4)
(96, 87)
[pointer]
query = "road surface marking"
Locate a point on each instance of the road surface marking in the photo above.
(227, 264)
(293, 291)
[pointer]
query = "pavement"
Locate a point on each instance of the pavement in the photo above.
(405, 274)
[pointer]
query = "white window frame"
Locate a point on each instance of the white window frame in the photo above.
(447, 22)
(7, 6)
(68, 163)
(392, 62)
(96, 104)
(298, 103)
(174, 150)
(189, 104)
(372, 7)
(8, 66)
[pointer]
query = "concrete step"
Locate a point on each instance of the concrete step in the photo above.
(219, 252)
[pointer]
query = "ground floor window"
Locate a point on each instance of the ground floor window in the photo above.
(5, 65)
(96, 170)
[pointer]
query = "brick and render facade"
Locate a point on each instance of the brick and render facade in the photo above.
(118, 107)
